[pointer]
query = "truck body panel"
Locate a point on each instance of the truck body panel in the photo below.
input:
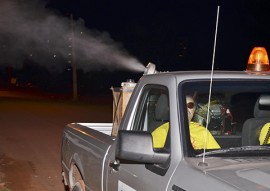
(83, 139)
(105, 161)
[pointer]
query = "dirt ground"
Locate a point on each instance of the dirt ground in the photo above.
(30, 139)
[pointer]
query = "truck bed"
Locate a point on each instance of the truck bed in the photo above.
(86, 145)
(105, 128)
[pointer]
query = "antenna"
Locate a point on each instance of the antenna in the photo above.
(211, 81)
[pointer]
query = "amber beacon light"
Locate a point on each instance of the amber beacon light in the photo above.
(258, 60)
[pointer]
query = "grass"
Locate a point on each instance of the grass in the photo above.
(2, 186)
(4, 189)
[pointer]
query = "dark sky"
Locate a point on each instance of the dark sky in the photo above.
(113, 40)
(179, 35)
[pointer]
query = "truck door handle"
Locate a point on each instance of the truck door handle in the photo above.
(177, 188)
(115, 165)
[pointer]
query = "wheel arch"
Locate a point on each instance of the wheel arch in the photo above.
(76, 168)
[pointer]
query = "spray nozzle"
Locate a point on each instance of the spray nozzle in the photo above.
(150, 69)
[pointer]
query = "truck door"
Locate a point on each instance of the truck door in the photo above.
(152, 111)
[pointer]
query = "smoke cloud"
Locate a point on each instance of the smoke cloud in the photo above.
(29, 32)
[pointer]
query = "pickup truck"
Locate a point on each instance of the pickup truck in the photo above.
(238, 107)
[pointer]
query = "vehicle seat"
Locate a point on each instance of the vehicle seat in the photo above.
(161, 112)
(252, 127)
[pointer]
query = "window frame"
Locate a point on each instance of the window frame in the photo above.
(140, 117)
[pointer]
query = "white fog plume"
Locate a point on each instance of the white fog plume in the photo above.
(29, 31)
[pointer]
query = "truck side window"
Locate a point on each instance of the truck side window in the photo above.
(153, 112)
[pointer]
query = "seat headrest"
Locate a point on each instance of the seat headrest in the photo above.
(162, 108)
(262, 106)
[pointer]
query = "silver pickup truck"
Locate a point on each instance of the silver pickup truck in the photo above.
(95, 159)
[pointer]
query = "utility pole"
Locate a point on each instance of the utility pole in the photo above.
(73, 63)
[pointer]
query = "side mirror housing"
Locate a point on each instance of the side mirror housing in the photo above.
(138, 147)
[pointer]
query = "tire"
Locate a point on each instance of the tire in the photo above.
(79, 186)
(78, 181)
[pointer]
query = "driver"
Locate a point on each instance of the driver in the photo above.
(199, 135)
(264, 137)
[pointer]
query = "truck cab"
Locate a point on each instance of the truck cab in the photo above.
(236, 102)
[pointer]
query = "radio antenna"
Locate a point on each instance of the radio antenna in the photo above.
(210, 88)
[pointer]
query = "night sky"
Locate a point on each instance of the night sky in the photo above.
(173, 34)
(179, 35)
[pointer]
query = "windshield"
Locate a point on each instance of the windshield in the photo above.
(238, 118)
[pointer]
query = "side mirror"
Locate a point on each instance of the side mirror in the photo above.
(138, 147)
